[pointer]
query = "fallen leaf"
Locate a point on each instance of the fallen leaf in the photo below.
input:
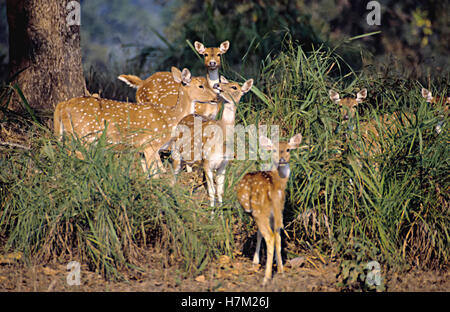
(296, 262)
(255, 268)
(49, 271)
(52, 285)
(10, 258)
(224, 259)
(200, 278)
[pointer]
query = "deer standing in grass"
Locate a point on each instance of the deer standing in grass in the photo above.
(348, 107)
(145, 127)
(441, 103)
(262, 194)
(211, 139)
(372, 130)
(160, 88)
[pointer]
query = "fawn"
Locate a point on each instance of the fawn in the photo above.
(262, 194)
(441, 103)
(211, 139)
(145, 127)
(160, 88)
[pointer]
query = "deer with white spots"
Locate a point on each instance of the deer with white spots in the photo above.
(145, 127)
(212, 60)
(262, 194)
(211, 139)
(160, 88)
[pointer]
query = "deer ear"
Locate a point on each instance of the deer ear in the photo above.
(427, 95)
(224, 46)
(199, 47)
(361, 95)
(295, 141)
(334, 96)
(186, 76)
(176, 74)
(265, 143)
(223, 79)
(247, 86)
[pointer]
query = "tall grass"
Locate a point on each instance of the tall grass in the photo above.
(101, 210)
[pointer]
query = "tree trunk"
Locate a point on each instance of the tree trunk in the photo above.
(45, 53)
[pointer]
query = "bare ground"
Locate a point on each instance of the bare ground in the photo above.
(238, 275)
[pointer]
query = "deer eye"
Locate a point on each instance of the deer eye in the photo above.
(234, 88)
(205, 54)
(201, 86)
(218, 54)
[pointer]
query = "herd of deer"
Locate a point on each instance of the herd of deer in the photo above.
(169, 101)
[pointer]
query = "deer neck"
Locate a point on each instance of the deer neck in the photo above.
(213, 77)
(281, 174)
(185, 106)
(228, 114)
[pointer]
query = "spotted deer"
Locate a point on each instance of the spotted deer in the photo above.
(350, 127)
(211, 139)
(160, 88)
(212, 60)
(348, 105)
(441, 103)
(349, 124)
(262, 194)
(145, 127)
(373, 131)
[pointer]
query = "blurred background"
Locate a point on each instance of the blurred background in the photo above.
(141, 37)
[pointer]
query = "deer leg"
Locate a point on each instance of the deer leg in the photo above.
(159, 163)
(210, 184)
(278, 251)
(258, 247)
(269, 238)
(176, 166)
(220, 182)
(150, 158)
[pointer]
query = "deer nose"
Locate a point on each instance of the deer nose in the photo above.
(216, 86)
(282, 160)
(212, 63)
(345, 117)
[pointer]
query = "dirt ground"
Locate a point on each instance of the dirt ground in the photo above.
(239, 275)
